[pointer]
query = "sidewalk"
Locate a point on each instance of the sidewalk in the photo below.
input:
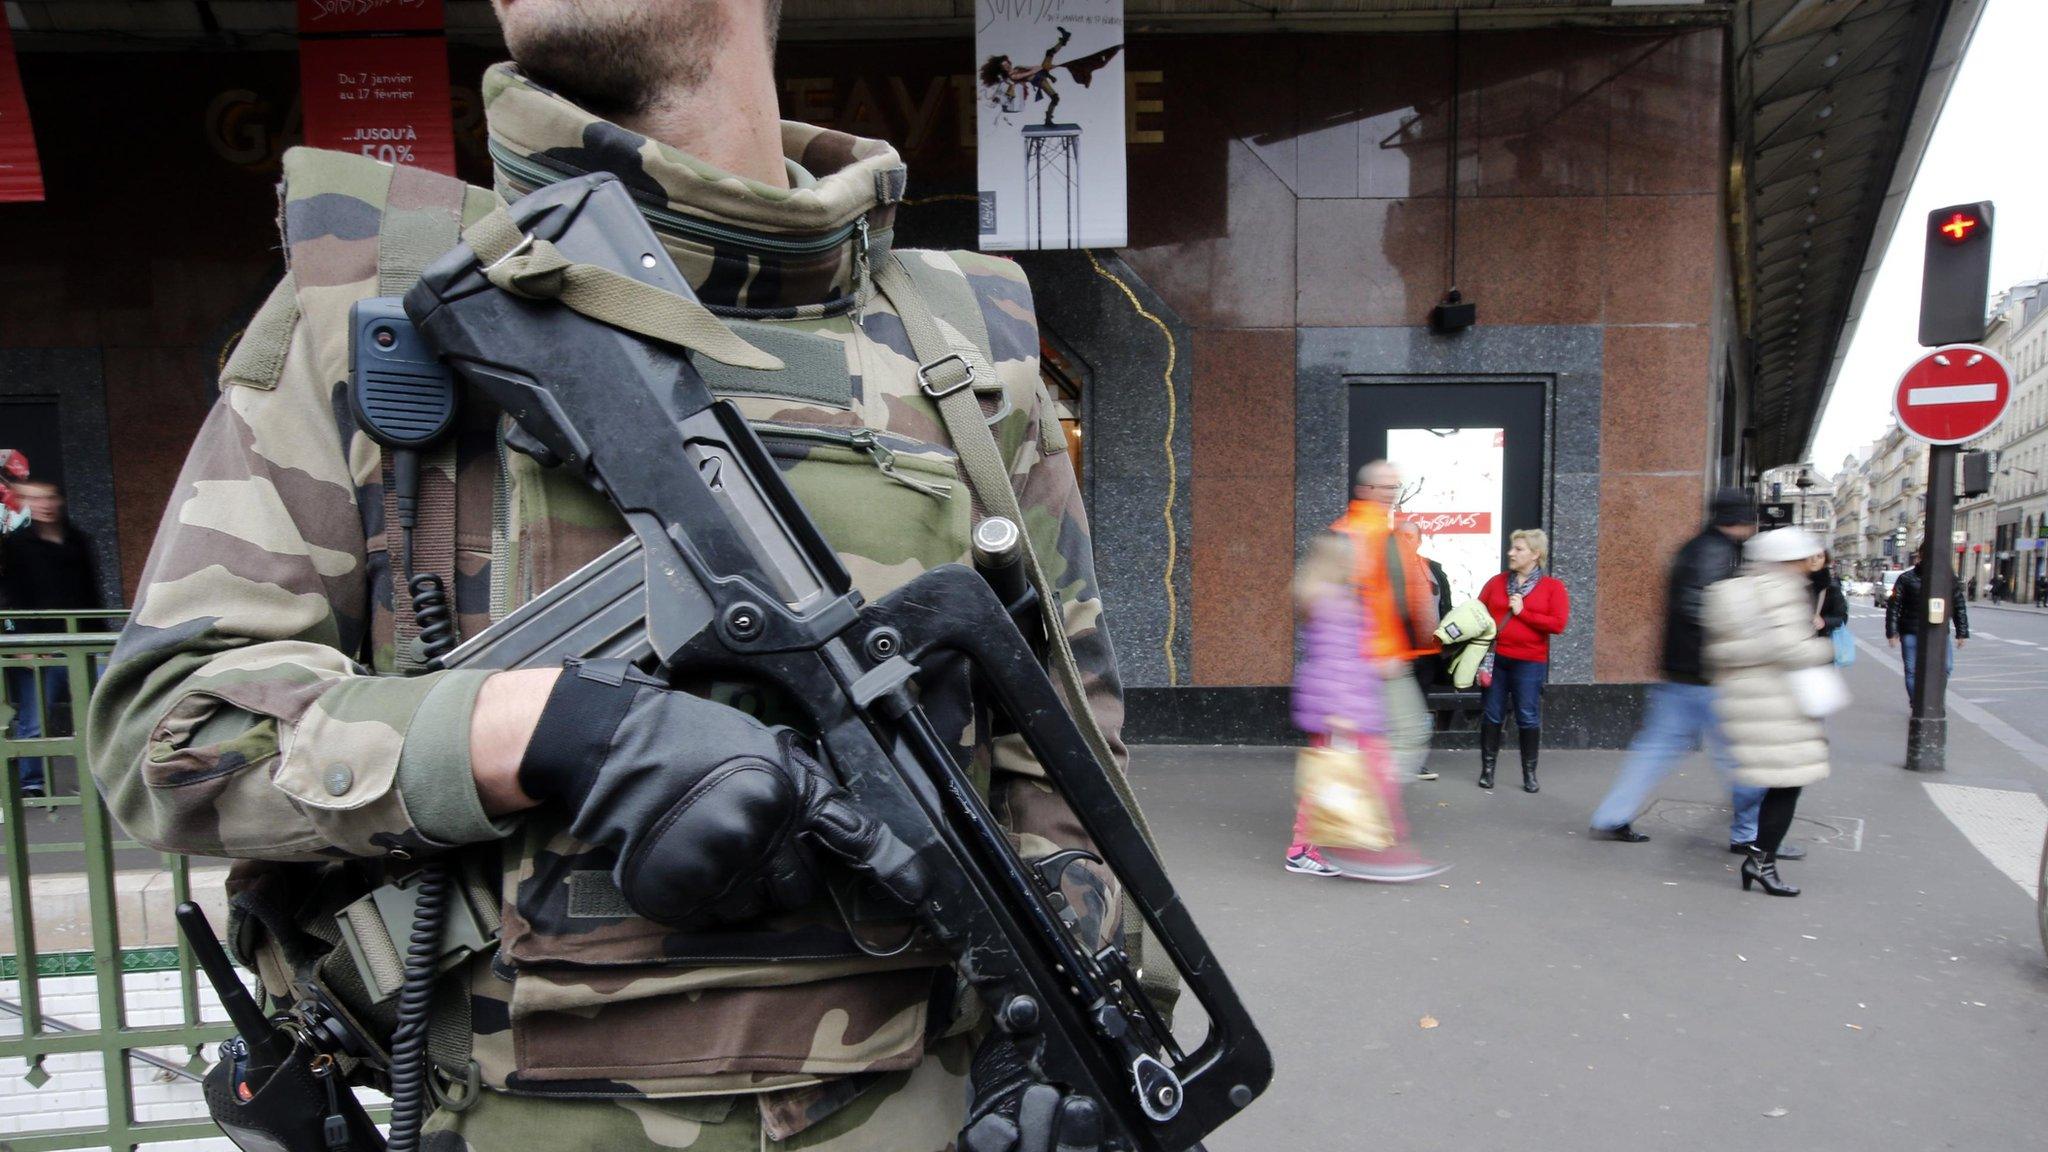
(1555, 992)
(2006, 606)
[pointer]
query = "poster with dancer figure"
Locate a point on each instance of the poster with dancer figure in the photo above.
(1049, 80)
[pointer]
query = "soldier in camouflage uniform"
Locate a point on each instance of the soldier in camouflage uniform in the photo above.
(250, 710)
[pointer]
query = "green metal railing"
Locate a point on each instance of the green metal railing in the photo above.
(79, 656)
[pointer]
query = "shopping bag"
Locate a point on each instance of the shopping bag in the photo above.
(1845, 646)
(1341, 794)
(1819, 691)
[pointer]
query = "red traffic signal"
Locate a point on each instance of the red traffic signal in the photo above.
(1960, 227)
(1956, 277)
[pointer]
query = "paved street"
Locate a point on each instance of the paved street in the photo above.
(1594, 996)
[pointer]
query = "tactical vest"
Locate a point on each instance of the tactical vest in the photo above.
(560, 989)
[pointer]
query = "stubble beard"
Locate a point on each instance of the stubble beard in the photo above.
(617, 58)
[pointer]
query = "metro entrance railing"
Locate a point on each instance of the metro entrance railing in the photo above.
(55, 839)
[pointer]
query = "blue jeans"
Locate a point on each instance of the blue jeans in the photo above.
(31, 713)
(1522, 680)
(1909, 654)
(1677, 720)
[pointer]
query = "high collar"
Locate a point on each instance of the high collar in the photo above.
(747, 248)
(1365, 515)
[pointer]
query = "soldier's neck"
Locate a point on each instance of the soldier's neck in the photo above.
(729, 118)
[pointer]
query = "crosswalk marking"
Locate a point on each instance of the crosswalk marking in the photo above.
(2007, 827)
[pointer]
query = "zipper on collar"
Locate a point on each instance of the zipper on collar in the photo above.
(860, 263)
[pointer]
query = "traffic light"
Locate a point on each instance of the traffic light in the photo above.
(1976, 474)
(1956, 278)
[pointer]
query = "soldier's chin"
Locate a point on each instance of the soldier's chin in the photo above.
(612, 57)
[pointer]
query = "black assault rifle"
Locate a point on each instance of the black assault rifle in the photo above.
(726, 572)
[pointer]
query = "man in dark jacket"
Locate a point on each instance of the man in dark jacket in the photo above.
(1679, 713)
(1902, 615)
(46, 563)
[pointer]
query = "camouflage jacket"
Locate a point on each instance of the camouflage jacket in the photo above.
(240, 715)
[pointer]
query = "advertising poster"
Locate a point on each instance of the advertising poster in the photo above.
(380, 95)
(1049, 82)
(21, 171)
(1452, 490)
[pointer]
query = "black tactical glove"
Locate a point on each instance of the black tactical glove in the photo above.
(715, 816)
(1012, 1111)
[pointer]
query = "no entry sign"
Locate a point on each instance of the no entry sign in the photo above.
(1952, 394)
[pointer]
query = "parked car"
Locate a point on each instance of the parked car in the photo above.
(1883, 591)
(1854, 588)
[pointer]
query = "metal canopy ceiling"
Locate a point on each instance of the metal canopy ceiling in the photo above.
(1833, 101)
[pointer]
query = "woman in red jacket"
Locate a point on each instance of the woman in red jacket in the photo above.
(1529, 607)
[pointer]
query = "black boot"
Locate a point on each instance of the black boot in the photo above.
(1762, 868)
(1489, 752)
(1532, 738)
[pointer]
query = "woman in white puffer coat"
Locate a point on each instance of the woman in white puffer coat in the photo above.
(1759, 632)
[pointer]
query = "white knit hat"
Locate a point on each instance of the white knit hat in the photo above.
(1780, 545)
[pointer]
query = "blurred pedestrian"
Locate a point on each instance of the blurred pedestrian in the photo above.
(1903, 612)
(1830, 605)
(1339, 690)
(1431, 670)
(1529, 606)
(1394, 586)
(1765, 654)
(1679, 711)
(46, 564)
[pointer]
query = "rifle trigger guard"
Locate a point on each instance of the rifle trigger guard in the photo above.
(1050, 868)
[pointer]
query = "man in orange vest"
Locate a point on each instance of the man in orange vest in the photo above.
(1400, 600)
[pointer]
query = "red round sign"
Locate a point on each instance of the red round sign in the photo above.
(1952, 394)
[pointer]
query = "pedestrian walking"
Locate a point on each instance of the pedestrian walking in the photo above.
(1529, 606)
(1904, 610)
(1830, 604)
(47, 563)
(1395, 588)
(1765, 654)
(1679, 710)
(1339, 692)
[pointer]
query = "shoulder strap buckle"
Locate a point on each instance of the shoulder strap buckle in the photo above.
(525, 245)
(950, 363)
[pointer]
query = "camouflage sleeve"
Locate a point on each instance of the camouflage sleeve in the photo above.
(1049, 494)
(231, 720)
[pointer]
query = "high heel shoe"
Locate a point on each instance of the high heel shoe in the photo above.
(1762, 868)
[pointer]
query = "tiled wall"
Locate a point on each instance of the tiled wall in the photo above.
(1302, 184)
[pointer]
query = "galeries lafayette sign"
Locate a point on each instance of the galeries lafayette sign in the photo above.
(1451, 523)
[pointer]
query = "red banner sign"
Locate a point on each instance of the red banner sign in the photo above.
(1451, 523)
(355, 17)
(385, 97)
(21, 173)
